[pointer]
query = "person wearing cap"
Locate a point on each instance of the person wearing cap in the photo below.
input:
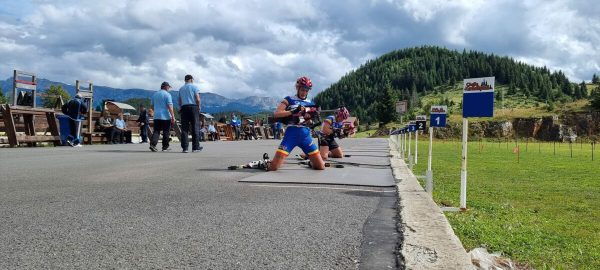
(164, 116)
(76, 109)
(189, 100)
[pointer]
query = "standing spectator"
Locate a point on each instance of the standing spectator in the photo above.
(275, 130)
(105, 124)
(236, 125)
(250, 125)
(143, 122)
(189, 100)
(164, 116)
(121, 127)
(279, 128)
(76, 108)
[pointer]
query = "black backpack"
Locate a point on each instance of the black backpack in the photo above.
(65, 108)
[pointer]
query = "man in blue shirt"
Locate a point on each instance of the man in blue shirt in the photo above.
(189, 100)
(121, 129)
(164, 116)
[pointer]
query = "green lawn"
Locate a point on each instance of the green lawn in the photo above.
(543, 210)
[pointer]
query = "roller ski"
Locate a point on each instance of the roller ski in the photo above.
(301, 157)
(327, 164)
(262, 164)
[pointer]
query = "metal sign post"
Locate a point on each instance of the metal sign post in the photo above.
(416, 146)
(412, 127)
(405, 144)
(409, 152)
(421, 124)
(437, 119)
(463, 170)
(429, 173)
(478, 101)
(401, 143)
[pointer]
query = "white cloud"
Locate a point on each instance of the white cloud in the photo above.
(241, 48)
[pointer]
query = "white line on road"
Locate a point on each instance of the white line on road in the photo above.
(334, 188)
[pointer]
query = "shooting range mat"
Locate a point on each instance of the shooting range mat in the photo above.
(369, 168)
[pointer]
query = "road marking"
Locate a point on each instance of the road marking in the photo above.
(333, 188)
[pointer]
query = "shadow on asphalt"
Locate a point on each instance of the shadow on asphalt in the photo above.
(122, 151)
(370, 151)
(374, 193)
(228, 170)
(137, 151)
(359, 155)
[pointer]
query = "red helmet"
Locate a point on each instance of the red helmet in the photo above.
(304, 82)
(342, 113)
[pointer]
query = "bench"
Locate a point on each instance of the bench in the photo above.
(94, 137)
(29, 115)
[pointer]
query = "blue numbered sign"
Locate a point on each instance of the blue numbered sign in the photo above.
(437, 116)
(412, 127)
(478, 97)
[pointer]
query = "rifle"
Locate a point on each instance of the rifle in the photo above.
(309, 117)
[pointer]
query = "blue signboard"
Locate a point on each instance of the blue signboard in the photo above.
(437, 116)
(412, 128)
(478, 97)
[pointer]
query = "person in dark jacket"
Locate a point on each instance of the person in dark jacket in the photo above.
(76, 109)
(143, 122)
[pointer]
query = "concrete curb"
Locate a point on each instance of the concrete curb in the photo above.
(428, 239)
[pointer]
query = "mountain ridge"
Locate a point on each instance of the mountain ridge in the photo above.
(211, 102)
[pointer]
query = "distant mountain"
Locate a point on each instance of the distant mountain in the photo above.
(211, 103)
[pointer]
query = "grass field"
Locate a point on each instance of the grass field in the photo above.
(542, 210)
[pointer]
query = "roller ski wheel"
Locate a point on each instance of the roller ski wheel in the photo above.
(327, 164)
(262, 164)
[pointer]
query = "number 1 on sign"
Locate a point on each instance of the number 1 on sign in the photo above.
(437, 121)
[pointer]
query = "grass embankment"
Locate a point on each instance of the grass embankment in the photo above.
(543, 210)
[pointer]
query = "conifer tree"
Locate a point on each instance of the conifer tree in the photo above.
(3, 99)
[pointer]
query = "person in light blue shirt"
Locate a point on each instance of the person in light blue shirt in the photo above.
(189, 100)
(164, 116)
(121, 130)
(212, 132)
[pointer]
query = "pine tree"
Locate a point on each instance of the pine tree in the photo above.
(595, 79)
(595, 98)
(386, 107)
(52, 95)
(3, 99)
(414, 96)
(582, 93)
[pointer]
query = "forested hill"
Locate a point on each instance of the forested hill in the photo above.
(413, 72)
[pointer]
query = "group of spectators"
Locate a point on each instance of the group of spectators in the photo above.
(116, 130)
(245, 129)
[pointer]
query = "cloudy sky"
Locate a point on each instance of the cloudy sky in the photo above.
(246, 47)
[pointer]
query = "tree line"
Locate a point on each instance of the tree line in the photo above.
(410, 73)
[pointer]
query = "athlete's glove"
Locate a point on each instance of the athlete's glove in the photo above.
(339, 133)
(297, 110)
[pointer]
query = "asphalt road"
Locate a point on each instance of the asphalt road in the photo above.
(122, 206)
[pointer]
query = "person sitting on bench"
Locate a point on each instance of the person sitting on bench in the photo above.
(105, 125)
(212, 132)
(121, 130)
